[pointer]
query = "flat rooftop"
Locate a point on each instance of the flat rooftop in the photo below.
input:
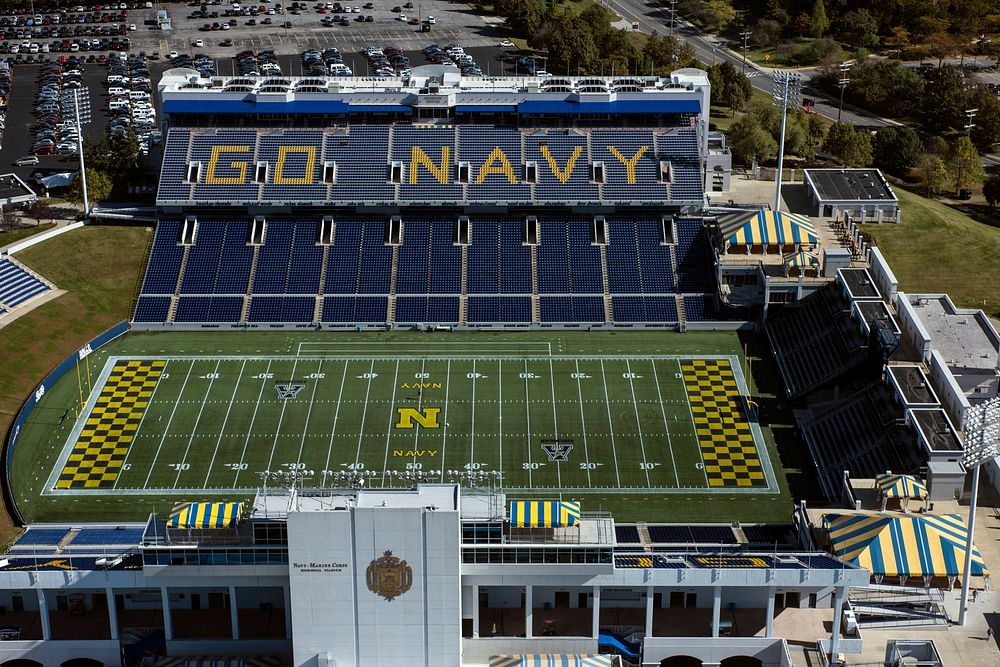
(964, 338)
(913, 385)
(12, 187)
(879, 312)
(850, 185)
(859, 283)
(936, 430)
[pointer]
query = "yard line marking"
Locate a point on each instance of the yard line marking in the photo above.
(281, 418)
(500, 426)
(638, 422)
(666, 427)
(527, 421)
(388, 430)
(420, 405)
(167, 427)
(336, 415)
(312, 402)
(694, 427)
(555, 421)
(138, 429)
(197, 420)
(364, 413)
(583, 424)
(253, 420)
(222, 431)
(472, 427)
(444, 439)
(611, 428)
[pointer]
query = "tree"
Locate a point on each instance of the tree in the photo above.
(966, 165)
(859, 29)
(570, 44)
(941, 45)
(897, 149)
(944, 100)
(8, 217)
(818, 21)
(991, 190)
(766, 34)
(524, 17)
(849, 146)
(718, 14)
(41, 211)
(738, 92)
(751, 142)
(933, 173)
(98, 187)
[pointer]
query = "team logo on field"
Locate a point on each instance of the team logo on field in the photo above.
(557, 450)
(288, 390)
(389, 577)
(428, 417)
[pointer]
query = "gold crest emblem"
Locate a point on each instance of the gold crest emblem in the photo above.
(389, 577)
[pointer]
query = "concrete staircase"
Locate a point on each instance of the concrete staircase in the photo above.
(681, 313)
(321, 288)
(536, 306)
(463, 300)
(609, 313)
(245, 311)
(172, 311)
(390, 312)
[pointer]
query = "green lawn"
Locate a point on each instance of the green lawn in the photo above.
(21, 233)
(938, 249)
(98, 266)
(215, 421)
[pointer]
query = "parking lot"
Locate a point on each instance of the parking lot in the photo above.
(454, 22)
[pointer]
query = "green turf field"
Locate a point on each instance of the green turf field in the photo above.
(579, 414)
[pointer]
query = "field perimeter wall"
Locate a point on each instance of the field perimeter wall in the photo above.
(29, 405)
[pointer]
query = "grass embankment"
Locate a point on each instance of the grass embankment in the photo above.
(98, 267)
(21, 233)
(938, 249)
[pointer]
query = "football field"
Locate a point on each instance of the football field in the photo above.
(511, 415)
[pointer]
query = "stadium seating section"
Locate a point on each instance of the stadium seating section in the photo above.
(17, 285)
(424, 275)
(295, 165)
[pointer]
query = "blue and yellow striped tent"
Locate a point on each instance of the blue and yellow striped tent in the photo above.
(543, 513)
(801, 260)
(900, 486)
(204, 515)
(551, 660)
(767, 228)
(903, 546)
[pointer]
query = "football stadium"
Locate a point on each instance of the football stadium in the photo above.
(469, 371)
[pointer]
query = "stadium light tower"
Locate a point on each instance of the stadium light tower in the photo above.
(785, 90)
(83, 167)
(982, 443)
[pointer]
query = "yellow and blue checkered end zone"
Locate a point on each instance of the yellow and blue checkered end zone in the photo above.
(724, 436)
(101, 448)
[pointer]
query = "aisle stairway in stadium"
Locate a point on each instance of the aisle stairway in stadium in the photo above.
(576, 272)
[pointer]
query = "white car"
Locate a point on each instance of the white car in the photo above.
(198, 43)
(431, 20)
(403, 18)
(505, 43)
(132, 26)
(172, 55)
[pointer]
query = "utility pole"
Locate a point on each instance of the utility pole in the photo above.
(785, 91)
(673, 13)
(970, 114)
(842, 83)
(746, 36)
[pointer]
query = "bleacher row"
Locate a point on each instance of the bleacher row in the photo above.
(863, 435)
(17, 285)
(363, 154)
(362, 279)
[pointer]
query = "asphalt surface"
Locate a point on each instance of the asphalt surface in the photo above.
(18, 138)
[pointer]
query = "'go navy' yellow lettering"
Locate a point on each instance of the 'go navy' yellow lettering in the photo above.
(213, 161)
(419, 157)
(307, 176)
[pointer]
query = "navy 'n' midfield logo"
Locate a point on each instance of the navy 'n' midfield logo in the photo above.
(557, 450)
(288, 390)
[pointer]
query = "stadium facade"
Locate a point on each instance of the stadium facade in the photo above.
(445, 201)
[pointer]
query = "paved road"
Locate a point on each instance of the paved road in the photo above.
(708, 51)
